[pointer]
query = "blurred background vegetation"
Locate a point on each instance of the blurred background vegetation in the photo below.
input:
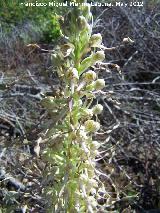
(42, 20)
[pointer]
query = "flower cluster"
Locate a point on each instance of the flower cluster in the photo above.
(74, 122)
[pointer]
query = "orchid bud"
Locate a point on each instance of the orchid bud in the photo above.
(95, 40)
(89, 76)
(81, 134)
(86, 11)
(97, 109)
(72, 74)
(82, 23)
(99, 84)
(87, 113)
(83, 178)
(91, 126)
(91, 172)
(98, 56)
(95, 145)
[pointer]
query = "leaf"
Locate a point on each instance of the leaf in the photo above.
(85, 64)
